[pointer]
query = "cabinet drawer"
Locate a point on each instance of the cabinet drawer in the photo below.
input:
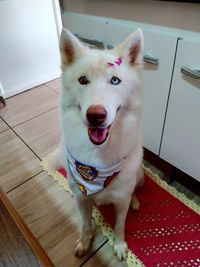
(89, 29)
(181, 138)
(155, 77)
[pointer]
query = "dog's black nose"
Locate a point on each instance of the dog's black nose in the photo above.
(96, 115)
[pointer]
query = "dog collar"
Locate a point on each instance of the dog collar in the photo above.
(90, 179)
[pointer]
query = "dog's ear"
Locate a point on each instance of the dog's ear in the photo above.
(132, 48)
(70, 47)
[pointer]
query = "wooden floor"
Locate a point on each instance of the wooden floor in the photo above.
(29, 130)
(14, 248)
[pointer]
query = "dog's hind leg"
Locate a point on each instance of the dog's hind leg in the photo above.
(83, 244)
(135, 204)
(140, 176)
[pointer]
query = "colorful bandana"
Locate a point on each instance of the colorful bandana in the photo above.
(91, 180)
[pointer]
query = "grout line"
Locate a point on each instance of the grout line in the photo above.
(82, 264)
(22, 140)
(4, 131)
(12, 96)
(33, 117)
(54, 90)
(20, 93)
(11, 127)
(24, 182)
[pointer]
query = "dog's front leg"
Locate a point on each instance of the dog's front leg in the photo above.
(120, 246)
(83, 244)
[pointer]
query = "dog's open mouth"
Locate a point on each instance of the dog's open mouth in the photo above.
(98, 135)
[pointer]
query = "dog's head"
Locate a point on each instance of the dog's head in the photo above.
(99, 84)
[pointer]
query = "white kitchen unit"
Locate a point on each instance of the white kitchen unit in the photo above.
(29, 51)
(158, 62)
(181, 138)
(89, 29)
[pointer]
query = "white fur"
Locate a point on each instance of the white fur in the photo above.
(124, 138)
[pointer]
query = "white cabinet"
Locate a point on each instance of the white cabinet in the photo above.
(181, 138)
(29, 51)
(156, 77)
(88, 28)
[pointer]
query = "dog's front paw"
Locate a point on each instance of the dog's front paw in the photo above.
(121, 251)
(81, 248)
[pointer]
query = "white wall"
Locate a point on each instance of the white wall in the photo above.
(29, 53)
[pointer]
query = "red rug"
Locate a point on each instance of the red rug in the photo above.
(165, 231)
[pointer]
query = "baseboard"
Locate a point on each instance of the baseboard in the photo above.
(172, 172)
(19, 89)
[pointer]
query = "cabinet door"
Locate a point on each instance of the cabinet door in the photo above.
(155, 77)
(181, 139)
(89, 29)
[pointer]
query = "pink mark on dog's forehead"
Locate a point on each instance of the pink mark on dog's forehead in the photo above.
(116, 62)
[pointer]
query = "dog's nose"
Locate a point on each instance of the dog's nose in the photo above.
(96, 115)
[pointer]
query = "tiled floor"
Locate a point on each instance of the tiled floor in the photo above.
(29, 130)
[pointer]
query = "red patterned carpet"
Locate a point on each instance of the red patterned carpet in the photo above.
(164, 232)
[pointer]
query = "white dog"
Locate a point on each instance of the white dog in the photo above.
(101, 145)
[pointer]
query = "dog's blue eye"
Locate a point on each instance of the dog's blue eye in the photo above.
(83, 80)
(115, 81)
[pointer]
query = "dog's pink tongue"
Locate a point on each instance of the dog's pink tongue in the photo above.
(98, 135)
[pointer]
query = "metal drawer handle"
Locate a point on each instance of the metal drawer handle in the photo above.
(110, 46)
(90, 42)
(151, 60)
(192, 73)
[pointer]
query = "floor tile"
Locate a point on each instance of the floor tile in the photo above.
(28, 105)
(104, 257)
(53, 217)
(3, 126)
(17, 162)
(55, 85)
(42, 133)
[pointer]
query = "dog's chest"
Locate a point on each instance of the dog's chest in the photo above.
(92, 179)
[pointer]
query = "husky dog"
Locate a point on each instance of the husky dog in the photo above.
(101, 145)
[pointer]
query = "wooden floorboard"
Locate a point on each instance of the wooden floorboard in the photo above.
(18, 245)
